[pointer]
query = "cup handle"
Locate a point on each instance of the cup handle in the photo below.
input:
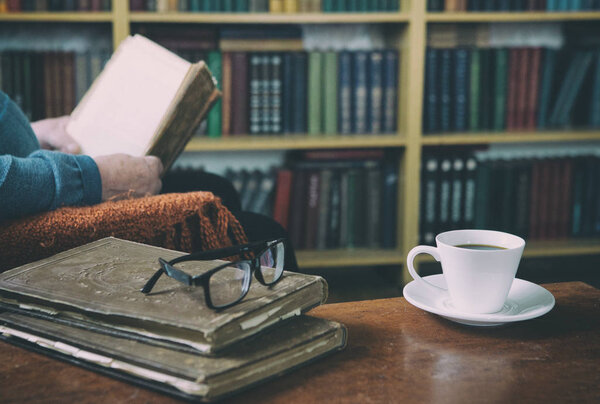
(422, 249)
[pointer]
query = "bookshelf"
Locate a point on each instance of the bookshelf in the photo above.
(411, 25)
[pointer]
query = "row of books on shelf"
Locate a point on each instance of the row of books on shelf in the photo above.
(49, 83)
(510, 89)
(327, 199)
(538, 198)
(305, 92)
(512, 5)
(265, 6)
(54, 5)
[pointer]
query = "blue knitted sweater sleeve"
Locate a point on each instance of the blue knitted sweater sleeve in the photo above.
(33, 180)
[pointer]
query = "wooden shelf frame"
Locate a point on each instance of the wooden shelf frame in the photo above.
(411, 24)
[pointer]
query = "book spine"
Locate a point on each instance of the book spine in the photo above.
(460, 89)
(482, 185)
(389, 204)
(360, 90)
(507, 192)
(474, 90)
(240, 93)
(522, 88)
(266, 93)
(255, 107)
(312, 210)
(485, 90)
(578, 191)
(523, 186)
(446, 90)
(226, 85)
(445, 197)
(375, 101)
(470, 190)
(298, 207)
(335, 200)
(533, 90)
(281, 206)
(534, 199)
(276, 93)
(315, 107)
(68, 73)
(390, 84)
(345, 93)
(288, 98)
(300, 92)
(214, 116)
(595, 103)
(429, 198)
(512, 96)
(290, 6)
(373, 185)
(330, 89)
(456, 203)
(324, 206)
(500, 92)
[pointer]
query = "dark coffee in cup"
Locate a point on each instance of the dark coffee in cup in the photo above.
(482, 247)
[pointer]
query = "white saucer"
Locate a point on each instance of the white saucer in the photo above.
(525, 301)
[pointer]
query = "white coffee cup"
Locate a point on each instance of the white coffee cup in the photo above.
(478, 279)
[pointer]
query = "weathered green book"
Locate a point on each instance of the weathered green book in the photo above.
(177, 373)
(97, 286)
(330, 106)
(315, 103)
(501, 80)
(474, 91)
(214, 116)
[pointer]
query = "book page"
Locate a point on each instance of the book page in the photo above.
(125, 105)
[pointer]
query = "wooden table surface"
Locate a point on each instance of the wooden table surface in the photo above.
(396, 353)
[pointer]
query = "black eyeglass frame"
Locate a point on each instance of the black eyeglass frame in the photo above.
(258, 248)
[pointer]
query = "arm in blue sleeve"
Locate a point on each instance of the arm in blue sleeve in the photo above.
(46, 180)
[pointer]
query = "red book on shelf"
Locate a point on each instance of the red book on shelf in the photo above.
(346, 154)
(239, 93)
(137, 5)
(522, 88)
(533, 90)
(96, 5)
(534, 200)
(281, 206)
(511, 97)
(226, 75)
(13, 5)
(312, 209)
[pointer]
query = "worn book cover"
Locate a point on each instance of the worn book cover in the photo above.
(279, 350)
(97, 286)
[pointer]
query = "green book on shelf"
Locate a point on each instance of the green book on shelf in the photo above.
(241, 6)
(330, 109)
(545, 87)
(351, 5)
(340, 5)
(205, 5)
(474, 91)
(315, 103)
(363, 6)
(328, 6)
(500, 79)
(195, 5)
(227, 6)
(214, 116)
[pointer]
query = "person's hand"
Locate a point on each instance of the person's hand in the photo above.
(52, 135)
(126, 176)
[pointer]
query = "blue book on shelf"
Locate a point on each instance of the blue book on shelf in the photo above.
(595, 103)
(548, 68)
(241, 6)
(430, 121)
(300, 93)
(488, 5)
(563, 5)
(360, 91)
(576, 5)
(287, 93)
(375, 96)
(503, 5)
(390, 89)
(445, 89)
(194, 6)
(345, 92)
(552, 5)
(571, 89)
(461, 88)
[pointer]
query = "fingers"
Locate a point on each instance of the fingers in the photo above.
(52, 134)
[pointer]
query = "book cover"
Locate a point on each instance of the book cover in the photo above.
(173, 315)
(390, 90)
(181, 374)
(172, 106)
(315, 98)
(345, 92)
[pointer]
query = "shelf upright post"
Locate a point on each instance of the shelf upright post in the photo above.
(120, 21)
(411, 106)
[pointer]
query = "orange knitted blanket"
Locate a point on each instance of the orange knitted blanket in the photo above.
(185, 222)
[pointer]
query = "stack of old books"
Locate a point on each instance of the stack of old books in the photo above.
(85, 306)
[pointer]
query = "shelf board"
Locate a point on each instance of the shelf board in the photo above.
(509, 137)
(269, 18)
(284, 142)
(58, 17)
(348, 258)
(532, 16)
(555, 248)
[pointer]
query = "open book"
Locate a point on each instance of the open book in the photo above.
(146, 101)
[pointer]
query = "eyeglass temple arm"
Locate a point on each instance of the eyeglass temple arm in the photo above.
(220, 253)
(152, 281)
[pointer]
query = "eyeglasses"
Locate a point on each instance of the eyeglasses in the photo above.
(227, 284)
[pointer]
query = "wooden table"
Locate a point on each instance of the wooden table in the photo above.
(396, 353)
